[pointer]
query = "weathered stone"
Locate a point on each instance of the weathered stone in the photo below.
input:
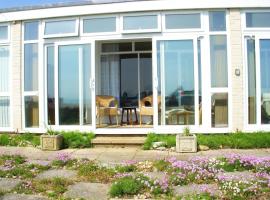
(161, 148)
(88, 191)
(196, 189)
(158, 144)
(22, 197)
(39, 162)
(203, 148)
(7, 184)
(238, 176)
(60, 173)
(156, 175)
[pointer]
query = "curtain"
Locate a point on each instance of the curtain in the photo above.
(110, 76)
(4, 86)
(219, 68)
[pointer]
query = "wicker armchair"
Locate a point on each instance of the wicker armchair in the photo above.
(146, 107)
(106, 106)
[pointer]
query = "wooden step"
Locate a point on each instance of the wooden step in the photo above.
(118, 140)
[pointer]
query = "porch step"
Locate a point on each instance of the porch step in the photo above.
(118, 140)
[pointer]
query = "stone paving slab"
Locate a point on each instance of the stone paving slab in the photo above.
(60, 173)
(195, 189)
(22, 197)
(155, 175)
(8, 184)
(88, 191)
(238, 176)
(40, 162)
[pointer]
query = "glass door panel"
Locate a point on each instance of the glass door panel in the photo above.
(265, 80)
(74, 94)
(176, 85)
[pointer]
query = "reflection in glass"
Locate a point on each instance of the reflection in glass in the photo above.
(219, 110)
(31, 30)
(60, 27)
(50, 85)
(258, 19)
(251, 81)
(140, 22)
(115, 47)
(219, 66)
(129, 80)
(3, 33)
(265, 80)
(95, 25)
(31, 111)
(74, 91)
(31, 67)
(182, 21)
(145, 75)
(4, 112)
(217, 21)
(176, 71)
(200, 80)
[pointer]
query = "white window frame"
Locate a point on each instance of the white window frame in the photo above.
(6, 41)
(91, 87)
(158, 29)
(39, 93)
(244, 24)
(117, 25)
(76, 33)
(164, 29)
(9, 93)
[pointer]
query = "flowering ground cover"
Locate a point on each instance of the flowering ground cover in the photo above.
(231, 176)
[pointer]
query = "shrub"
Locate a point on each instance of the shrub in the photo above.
(169, 140)
(75, 139)
(125, 186)
(4, 140)
(26, 139)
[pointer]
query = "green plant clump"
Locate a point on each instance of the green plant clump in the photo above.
(169, 140)
(23, 140)
(125, 186)
(76, 139)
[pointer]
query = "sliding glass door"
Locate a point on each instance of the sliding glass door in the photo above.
(70, 84)
(177, 97)
(258, 69)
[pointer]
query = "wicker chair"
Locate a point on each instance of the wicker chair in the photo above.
(146, 107)
(106, 106)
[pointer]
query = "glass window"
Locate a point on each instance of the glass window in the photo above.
(31, 30)
(50, 86)
(265, 80)
(251, 81)
(95, 25)
(3, 32)
(31, 111)
(4, 112)
(140, 22)
(176, 85)
(60, 27)
(182, 21)
(4, 69)
(219, 110)
(143, 46)
(31, 67)
(145, 77)
(217, 21)
(117, 47)
(219, 66)
(258, 19)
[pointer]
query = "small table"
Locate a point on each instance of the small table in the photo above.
(129, 112)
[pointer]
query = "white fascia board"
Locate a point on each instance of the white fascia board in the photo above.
(138, 6)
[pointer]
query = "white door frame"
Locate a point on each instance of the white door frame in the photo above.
(175, 128)
(91, 87)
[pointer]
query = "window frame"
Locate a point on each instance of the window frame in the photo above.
(117, 25)
(164, 29)
(158, 29)
(59, 35)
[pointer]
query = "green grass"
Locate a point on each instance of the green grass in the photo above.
(217, 141)
(23, 140)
